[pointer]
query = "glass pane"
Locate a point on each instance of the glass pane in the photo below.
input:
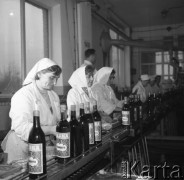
(180, 55)
(148, 57)
(166, 57)
(114, 61)
(158, 69)
(36, 34)
(166, 67)
(144, 69)
(171, 70)
(113, 34)
(158, 57)
(148, 69)
(10, 46)
(151, 70)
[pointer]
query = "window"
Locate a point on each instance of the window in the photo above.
(36, 22)
(10, 46)
(158, 63)
(116, 58)
(12, 51)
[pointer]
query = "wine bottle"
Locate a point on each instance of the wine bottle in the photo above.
(36, 148)
(97, 124)
(76, 145)
(89, 119)
(84, 129)
(140, 110)
(135, 109)
(149, 112)
(131, 106)
(126, 114)
(63, 138)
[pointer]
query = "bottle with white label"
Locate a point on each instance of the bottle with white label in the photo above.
(126, 113)
(63, 137)
(97, 124)
(89, 119)
(36, 148)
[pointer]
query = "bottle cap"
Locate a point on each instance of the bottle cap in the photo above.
(36, 113)
(73, 107)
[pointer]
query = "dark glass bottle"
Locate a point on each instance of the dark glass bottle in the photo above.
(89, 119)
(149, 105)
(76, 145)
(126, 113)
(135, 107)
(97, 124)
(63, 137)
(37, 149)
(84, 130)
(131, 106)
(154, 103)
(140, 110)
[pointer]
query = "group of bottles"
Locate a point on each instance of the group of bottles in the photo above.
(77, 136)
(72, 138)
(132, 110)
(154, 100)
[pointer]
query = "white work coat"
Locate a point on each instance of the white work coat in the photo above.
(139, 89)
(104, 94)
(21, 113)
(76, 94)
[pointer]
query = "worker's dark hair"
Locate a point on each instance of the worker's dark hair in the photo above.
(89, 52)
(113, 72)
(55, 69)
(89, 69)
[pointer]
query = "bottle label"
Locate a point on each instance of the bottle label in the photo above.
(63, 144)
(91, 133)
(98, 136)
(35, 158)
(125, 117)
(135, 114)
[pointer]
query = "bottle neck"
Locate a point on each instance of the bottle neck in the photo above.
(62, 116)
(73, 115)
(36, 121)
(95, 108)
(81, 112)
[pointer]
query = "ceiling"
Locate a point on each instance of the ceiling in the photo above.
(145, 13)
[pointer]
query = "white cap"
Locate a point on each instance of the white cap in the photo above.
(144, 77)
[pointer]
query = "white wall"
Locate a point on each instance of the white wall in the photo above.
(63, 41)
(84, 29)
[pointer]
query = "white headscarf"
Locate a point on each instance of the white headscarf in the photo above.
(102, 75)
(78, 78)
(40, 65)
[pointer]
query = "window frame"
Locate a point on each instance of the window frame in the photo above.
(162, 63)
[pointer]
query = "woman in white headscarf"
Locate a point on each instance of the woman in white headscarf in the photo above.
(140, 87)
(81, 80)
(103, 93)
(37, 88)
